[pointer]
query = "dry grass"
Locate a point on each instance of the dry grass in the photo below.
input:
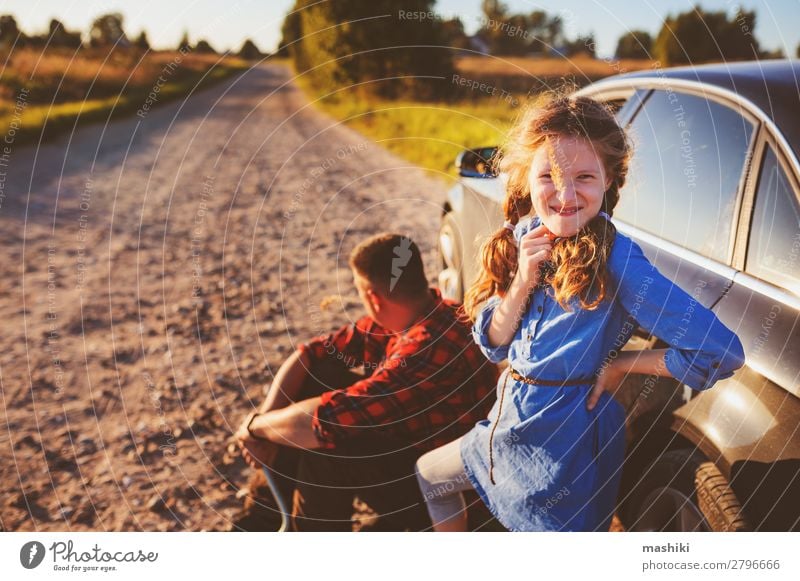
(431, 134)
(581, 66)
(60, 86)
(529, 75)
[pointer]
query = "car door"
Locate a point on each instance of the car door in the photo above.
(753, 422)
(684, 187)
(681, 204)
(763, 301)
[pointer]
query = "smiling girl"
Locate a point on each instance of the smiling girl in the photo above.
(558, 296)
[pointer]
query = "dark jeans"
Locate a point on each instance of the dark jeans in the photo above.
(323, 483)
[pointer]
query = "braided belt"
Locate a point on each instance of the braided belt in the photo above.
(530, 381)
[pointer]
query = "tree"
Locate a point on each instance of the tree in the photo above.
(519, 34)
(250, 51)
(372, 45)
(142, 42)
(184, 45)
(509, 36)
(494, 10)
(635, 44)
(107, 30)
(290, 33)
(60, 36)
(203, 47)
(772, 54)
(554, 28)
(699, 36)
(9, 31)
(503, 36)
(583, 44)
(453, 33)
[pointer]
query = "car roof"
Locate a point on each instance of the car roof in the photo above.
(772, 85)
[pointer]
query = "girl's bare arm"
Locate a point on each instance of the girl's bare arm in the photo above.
(646, 362)
(509, 313)
(534, 247)
(288, 381)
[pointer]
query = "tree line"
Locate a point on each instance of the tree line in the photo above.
(698, 36)
(378, 47)
(106, 31)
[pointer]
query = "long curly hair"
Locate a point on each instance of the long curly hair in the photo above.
(578, 263)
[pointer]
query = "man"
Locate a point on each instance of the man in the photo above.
(332, 434)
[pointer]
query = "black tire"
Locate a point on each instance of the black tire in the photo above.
(718, 502)
(682, 491)
(449, 229)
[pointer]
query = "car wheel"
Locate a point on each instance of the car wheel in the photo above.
(451, 280)
(682, 491)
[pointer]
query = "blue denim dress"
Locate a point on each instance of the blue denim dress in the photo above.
(557, 465)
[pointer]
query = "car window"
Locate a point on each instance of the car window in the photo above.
(615, 105)
(625, 108)
(773, 253)
(689, 155)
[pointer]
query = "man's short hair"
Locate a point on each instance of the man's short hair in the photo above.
(393, 266)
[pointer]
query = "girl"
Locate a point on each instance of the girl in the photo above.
(565, 291)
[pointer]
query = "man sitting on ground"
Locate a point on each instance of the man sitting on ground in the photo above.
(329, 434)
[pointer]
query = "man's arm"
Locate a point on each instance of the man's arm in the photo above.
(288, 382)
(413, 379)
(353, 345)
(290, 425)
(286, 421)
(387, 396)
(284, 391)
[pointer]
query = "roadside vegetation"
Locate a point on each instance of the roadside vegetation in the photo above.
(419, 85)
(55, 81)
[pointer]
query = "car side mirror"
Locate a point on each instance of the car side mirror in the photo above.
(477, 163)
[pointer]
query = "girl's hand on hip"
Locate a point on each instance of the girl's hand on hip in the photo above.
(608, 379)
(534, 248)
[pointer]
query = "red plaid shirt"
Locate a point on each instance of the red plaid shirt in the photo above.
(428, 386)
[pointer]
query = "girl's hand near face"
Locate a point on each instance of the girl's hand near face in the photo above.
(534, 248)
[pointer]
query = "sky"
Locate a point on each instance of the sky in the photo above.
(226, 23)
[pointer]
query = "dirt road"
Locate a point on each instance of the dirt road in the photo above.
(155, 273)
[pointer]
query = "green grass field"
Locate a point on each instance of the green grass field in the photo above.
(432, 134)
(43, 95)
(427, 134)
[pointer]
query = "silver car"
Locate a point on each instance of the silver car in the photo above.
(713, 198)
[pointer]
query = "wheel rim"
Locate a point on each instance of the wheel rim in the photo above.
(450, 276)
(668, 509)
(447, 248)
